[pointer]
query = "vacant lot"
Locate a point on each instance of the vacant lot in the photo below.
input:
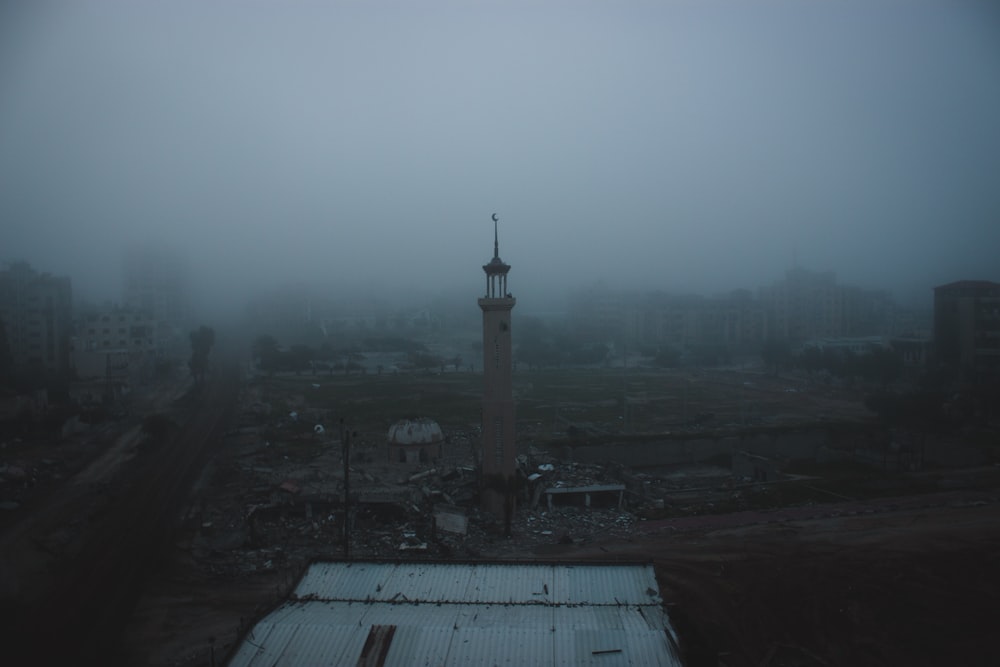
(912, 580)
(612, 400)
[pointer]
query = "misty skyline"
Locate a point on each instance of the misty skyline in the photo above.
(682, 146)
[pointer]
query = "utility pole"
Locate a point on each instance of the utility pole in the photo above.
(687, 384)
(345, 441)
(624, 388)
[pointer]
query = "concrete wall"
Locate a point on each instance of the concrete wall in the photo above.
(816, 443)
(870, 444)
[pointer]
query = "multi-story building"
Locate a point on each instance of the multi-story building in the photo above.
(658, 318)
(155, 282)
(36, 310)
(601, 315)
(114, 349)
(115, 328)
(808, 305)
(804, 306)
(967, 326)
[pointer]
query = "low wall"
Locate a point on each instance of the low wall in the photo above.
(812, 443)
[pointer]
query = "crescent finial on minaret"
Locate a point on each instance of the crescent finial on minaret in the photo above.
(496, 238)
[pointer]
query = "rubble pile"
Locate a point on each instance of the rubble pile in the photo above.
(278, 497)
(28, 469)
(575, 525)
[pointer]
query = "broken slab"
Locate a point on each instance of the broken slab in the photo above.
(451, 519)
(588, 492)
(421, 475)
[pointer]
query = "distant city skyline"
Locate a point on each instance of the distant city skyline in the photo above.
(117, 292)
(688, 146)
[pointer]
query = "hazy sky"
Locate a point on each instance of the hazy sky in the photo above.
(687, 146)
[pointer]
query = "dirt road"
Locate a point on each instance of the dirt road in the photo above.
(99, 546)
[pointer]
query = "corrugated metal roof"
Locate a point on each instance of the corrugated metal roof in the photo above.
(416, 645)
(590, 584)
(516, 583)
(452, 614)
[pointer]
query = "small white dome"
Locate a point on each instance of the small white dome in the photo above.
(415, 432)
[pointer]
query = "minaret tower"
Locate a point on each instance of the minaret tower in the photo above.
(498, 449)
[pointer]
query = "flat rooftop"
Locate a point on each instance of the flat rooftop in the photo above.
(450, 614)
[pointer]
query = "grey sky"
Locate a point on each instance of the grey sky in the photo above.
(688, 146)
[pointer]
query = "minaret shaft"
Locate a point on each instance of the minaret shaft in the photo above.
(498, 452)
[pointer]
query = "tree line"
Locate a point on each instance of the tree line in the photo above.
(876, 364)
(327, 358)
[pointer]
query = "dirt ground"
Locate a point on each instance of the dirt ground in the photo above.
(916, 587)
(911, 586)
(908, 579)
(900, 580)
(73, 566)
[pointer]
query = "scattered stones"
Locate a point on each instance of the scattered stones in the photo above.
(282, 483)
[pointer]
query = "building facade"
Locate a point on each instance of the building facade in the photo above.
(36, 310)
(114, 328)
(155, 282)
(658, 318)
(115, 345)
(498, 451)
(967, 326)
(808, 305)
(803, 306)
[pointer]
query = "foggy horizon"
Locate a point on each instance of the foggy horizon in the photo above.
(685, 147)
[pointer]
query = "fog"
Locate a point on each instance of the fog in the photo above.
(683, 146)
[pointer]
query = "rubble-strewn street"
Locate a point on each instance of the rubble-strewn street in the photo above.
(100, 534)
(272, 500)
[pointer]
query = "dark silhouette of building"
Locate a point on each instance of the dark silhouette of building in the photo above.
(36, 310)
(808, 305)
(155, 282)
(967, 327)
(498, 447)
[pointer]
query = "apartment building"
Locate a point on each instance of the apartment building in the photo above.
(36, 310)
(967, 326)
(808, 305)
(115, 342)
(155, 282)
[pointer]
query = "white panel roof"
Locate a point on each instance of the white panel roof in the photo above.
(481, 583)
(468, 614)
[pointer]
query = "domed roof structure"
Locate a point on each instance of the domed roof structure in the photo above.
(421, 431)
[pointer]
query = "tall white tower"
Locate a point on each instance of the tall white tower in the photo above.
(498, 451)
